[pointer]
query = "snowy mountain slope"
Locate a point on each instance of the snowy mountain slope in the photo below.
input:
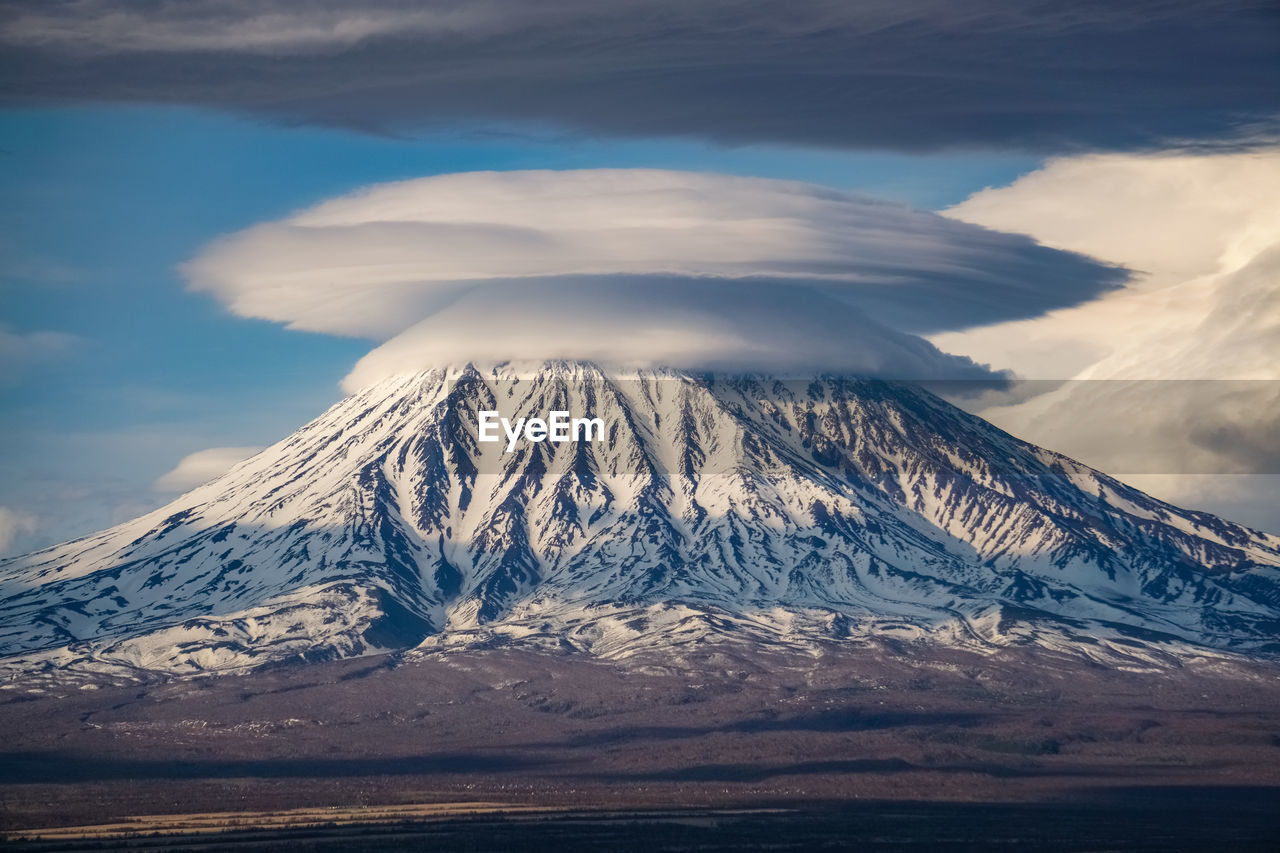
(797, 512)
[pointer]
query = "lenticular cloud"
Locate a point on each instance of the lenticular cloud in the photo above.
(691, 270)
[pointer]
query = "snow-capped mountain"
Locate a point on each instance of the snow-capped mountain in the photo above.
(799, 513)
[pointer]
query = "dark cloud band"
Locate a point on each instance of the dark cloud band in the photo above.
(906, 74)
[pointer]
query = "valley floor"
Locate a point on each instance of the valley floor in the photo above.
(1019, 745)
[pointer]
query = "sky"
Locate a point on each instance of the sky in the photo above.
(220, 215)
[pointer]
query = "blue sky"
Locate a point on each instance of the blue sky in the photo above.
(104, 202)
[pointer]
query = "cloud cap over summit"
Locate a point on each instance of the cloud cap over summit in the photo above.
(620, 264)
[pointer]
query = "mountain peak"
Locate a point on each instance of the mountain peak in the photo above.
(713, 509)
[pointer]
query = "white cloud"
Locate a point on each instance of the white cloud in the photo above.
(200, 467)
(13, 524)
(1201, 228)
(1179, 374)
(1173, 215)
(20, 350)
(616, 264)
(720, 325)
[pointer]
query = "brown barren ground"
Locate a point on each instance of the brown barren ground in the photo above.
(510, 729)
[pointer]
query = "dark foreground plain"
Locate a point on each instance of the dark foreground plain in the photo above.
(883, 747)
(1137, 824)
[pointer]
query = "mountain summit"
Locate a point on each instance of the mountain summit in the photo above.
(714, 509)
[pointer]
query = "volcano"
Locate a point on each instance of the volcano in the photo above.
(715, 511)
